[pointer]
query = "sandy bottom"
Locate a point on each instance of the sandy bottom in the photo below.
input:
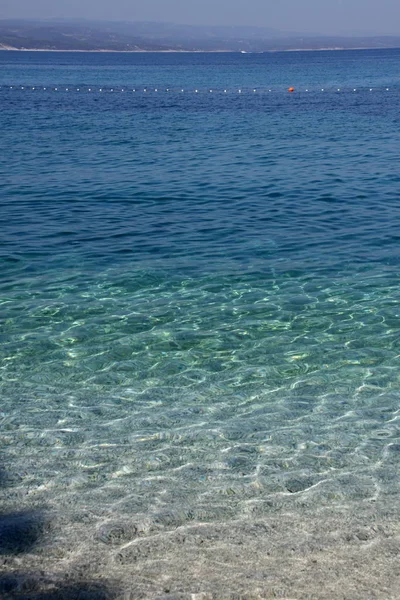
(344, 552)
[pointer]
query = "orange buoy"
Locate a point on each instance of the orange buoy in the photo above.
(291, 89)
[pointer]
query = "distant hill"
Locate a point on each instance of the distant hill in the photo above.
(131, 37)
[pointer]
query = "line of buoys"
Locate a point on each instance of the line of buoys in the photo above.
(146, 90)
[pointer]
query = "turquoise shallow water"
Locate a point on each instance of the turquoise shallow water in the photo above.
(199, 324)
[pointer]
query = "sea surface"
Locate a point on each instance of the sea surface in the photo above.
(200, 325)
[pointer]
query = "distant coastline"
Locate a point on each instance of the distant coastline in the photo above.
(109, 51)
(140, 37)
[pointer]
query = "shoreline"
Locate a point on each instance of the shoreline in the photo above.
(105, 51)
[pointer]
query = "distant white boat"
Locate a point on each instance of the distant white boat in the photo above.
(243, 52)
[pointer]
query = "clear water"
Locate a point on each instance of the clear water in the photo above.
(200, 326)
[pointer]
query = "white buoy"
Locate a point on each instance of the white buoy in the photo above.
(225, 91)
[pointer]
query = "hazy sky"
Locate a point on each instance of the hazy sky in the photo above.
(325, 16)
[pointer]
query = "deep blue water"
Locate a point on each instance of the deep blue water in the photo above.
(199, 300)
